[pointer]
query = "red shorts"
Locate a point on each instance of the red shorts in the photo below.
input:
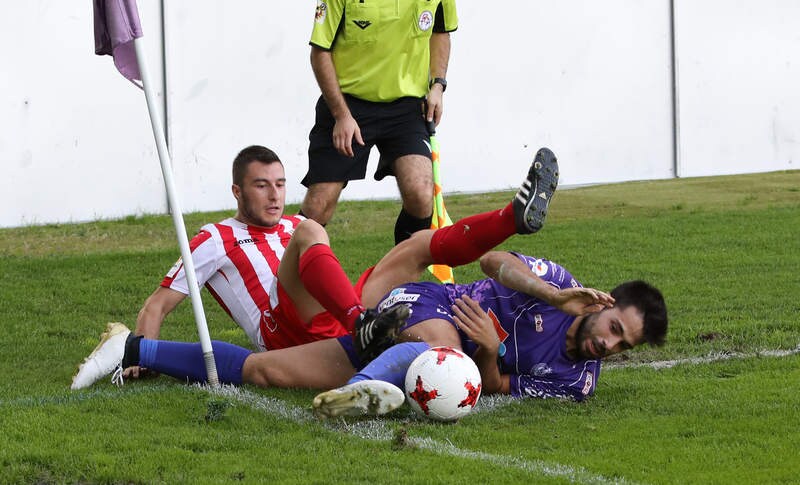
(282, 327)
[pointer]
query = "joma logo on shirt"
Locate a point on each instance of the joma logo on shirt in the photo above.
(362, 24)
(249, 240)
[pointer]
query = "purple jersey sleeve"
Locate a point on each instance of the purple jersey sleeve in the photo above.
(549, 271)
(576, 384)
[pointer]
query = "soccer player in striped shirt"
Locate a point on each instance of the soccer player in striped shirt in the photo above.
(275, 275)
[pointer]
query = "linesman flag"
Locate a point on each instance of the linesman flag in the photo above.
(116, 26)
(440, 218)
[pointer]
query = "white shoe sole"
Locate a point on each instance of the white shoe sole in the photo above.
(370, 397)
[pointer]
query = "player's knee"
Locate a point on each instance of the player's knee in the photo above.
(309, 230)
(307, 234)
(318, 210)
(419, 202)
(418, 245)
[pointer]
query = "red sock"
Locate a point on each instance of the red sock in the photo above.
(324, 278)
(471, 237)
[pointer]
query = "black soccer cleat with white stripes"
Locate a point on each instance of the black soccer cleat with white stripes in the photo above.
(533, 197)
(375, 332)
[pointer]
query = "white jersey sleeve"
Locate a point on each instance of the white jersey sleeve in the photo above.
(207, 251)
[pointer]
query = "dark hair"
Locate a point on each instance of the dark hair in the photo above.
(650, 302)
(253, 153)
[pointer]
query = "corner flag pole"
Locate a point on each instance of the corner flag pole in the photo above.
(177, 216)
(118, 32)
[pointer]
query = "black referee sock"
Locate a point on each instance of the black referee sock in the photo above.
(131, 356)
(407, 225)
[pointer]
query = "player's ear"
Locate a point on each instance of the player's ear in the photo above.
(237, 191)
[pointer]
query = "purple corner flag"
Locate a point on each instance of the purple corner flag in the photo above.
(116, 25)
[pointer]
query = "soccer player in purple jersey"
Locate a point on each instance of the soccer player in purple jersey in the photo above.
(531, 328)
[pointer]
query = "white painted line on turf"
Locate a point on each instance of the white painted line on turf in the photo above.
(550, 470)
(368, 429)
(713, 357)
(377, 430)
(269, 405)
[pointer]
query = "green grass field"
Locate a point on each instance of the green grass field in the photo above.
(724, 250)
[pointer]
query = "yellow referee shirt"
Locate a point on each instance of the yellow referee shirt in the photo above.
(380, 48)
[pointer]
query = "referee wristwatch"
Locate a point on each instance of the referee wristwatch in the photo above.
(439, 80)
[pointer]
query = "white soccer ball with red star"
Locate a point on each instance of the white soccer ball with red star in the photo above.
(443, 383)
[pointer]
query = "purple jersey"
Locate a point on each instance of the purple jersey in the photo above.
(532, 333)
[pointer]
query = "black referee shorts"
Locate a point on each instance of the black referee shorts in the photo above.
(397, 128)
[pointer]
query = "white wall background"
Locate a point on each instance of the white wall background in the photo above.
(75, 143)
(591, 80)
(739, 91)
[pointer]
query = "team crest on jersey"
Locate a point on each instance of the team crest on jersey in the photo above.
(539, 322)
(541, 369)
(573, 283)
(321, 13)
(425, 20)
(269, 322)
(587, 386)
(539, 267)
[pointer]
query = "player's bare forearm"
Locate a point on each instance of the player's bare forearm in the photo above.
(476, 324)
(325, 73)
(511, 272)
(155, 309)
(491, 379)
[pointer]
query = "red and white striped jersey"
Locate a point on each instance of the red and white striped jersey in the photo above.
(238, 264)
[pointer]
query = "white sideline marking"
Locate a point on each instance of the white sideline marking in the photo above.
(377, 430)
(713, 357)
(540, 467)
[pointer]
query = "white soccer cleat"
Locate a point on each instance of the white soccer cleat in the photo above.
(104, 359)
(370, 397)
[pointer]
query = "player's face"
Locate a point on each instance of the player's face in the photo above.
(262, 195)
(609, 332)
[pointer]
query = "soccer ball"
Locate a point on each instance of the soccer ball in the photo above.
(443, 383)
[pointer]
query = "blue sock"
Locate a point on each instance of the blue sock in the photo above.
(185, 361)
(392, 364)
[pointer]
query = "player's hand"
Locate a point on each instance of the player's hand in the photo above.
(580, 301)
(136, 372)
(344, 131)
(435, 104)
(475, 322)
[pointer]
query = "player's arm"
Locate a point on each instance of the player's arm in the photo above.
(512, 272)
(471, 318)
(346, 127)
(440, 58)
(148, 324)
(157, 306)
